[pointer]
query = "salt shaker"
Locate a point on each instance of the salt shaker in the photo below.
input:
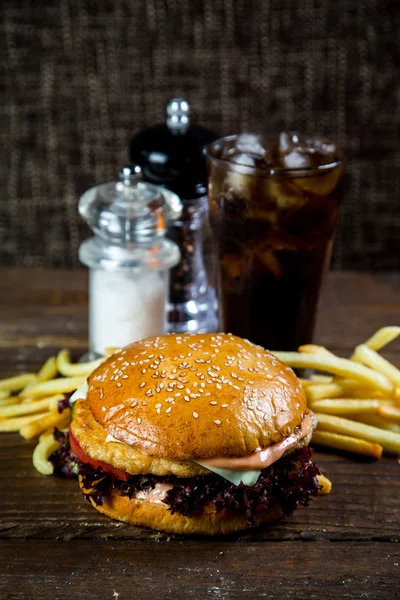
(129, 259)
(173, 154)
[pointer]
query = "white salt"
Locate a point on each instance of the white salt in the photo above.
(126, 305)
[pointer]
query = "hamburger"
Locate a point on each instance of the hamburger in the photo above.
(191, 434)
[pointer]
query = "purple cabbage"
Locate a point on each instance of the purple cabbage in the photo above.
(288, 482)
(64, 403)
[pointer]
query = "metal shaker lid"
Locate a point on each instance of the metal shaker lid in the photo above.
(173, 153)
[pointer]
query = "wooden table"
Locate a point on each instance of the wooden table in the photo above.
(54, 546)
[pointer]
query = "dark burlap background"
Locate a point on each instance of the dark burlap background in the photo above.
(79, 77)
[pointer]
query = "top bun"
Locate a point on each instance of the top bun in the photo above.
(194, 396)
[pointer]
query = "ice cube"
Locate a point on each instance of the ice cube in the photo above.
(248, 144)
(240, 158)
(298, 151)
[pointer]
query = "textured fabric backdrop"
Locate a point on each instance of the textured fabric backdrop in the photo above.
(79, 77)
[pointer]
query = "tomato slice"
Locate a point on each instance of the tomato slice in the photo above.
(79, 453)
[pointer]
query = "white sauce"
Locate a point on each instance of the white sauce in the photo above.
(156, 495)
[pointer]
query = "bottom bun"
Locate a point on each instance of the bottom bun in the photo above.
(159, 517)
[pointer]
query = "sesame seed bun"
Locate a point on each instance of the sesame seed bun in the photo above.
(194, 396)
(158, 516)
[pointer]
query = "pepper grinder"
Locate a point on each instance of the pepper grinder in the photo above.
(173, 154)
(129, 259)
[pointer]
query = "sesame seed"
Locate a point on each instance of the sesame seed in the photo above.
(125, 376)
(236, 387)
(213, 402)
(139, 420)
(178, 394)
(169, 409)
(225, 405)
(119, 384)
(149, 393)
(217, 422)
(203, 384)
(196, 416)
(219, 386)
(103, 408)
(144, 371)
(142, 384)
(186, 398)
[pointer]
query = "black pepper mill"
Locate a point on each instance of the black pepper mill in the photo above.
(173, 154)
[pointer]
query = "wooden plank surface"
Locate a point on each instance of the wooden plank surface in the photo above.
(53, 545)
(124, 571)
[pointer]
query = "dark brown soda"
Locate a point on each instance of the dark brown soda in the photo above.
(273, 234)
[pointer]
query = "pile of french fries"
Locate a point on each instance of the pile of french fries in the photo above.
(29, 403)
(356, 400)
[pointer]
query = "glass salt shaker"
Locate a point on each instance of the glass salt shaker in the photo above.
(173, 154)
(129, 259)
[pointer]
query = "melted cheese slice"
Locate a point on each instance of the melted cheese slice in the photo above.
(79, 394)
(236, 477)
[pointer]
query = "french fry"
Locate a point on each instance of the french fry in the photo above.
(382, 337)
(377, 421)
(314, 349)
(326, 485)
(372, 359)
(47, 371)
(17, 383)
(60, 385)
(348, 443)
(29, 385)
(10, 401)
(321, 378)
(346, 406)
(40, 458)
(111, 350)
(335, 389)
(69, 369)
(51, 419)
(387, 439)
(390, 412)
(4, 394)
(338, 366)
(305, 383)
(31, 408)
(16, 423)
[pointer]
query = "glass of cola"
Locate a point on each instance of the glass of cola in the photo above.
(273, 212)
